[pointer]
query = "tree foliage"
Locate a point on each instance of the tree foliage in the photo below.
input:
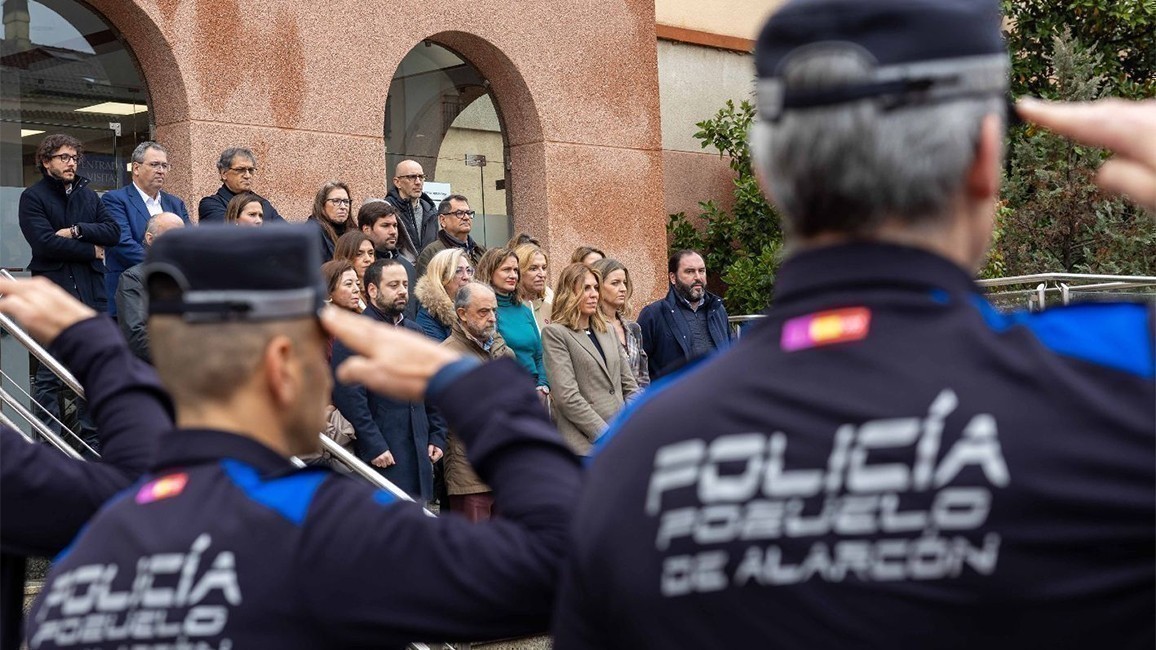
(1052, 217)
(743, 245)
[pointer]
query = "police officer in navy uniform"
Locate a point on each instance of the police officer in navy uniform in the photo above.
(227, 544)
(886, 461)
(46, 497)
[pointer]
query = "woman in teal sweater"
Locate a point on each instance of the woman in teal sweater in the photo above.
(499, 268)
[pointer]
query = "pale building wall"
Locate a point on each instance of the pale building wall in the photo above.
(693, 84)
(737, 18)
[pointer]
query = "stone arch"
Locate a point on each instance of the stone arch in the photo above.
(518, 117)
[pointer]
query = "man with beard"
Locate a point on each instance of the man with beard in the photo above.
(688, 323)
(378, 221)
(475, 333)
(401, 439)
(68, 229)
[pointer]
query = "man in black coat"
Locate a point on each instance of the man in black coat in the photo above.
(419, 215)
(68, 229)
(237, 167)
(46, 497)
(401, 439)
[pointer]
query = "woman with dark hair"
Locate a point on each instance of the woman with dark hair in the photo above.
(358, 250)
(333, 215)
(614, 306)
(436, 289)
(590, 376)
(341, 288)
(586, 255)
(499, 269)
(245, 209)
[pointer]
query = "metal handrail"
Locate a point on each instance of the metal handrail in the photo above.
(63, 427)
(1061, 277)
(41, 428)
(7, 421)
(38, 351)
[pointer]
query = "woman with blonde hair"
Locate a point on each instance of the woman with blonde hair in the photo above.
(333, 215)
(590, 376)
(358, 250)
(435, 291)
(533, 283)
(615, 292)
(499, 269)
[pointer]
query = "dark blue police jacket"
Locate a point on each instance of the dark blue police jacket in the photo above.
(212, 208)
(406, 429)
(131, 215)
(45, 208)
(666, 337)
(885, 462)
(227, 544)
(46, 497)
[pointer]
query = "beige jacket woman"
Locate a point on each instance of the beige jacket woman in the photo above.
(586, 390)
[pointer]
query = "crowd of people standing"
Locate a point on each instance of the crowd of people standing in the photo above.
(406, 261)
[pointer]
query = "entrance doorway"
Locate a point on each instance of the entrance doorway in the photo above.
(63, 70)
(441, 113)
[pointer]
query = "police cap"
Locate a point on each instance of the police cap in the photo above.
(217, 273)
(923, 50)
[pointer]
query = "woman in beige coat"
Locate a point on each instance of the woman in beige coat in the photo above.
(590, 376)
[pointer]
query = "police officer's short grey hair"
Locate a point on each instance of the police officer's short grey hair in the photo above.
(138, 154)
(466, 293)
(848, 167)
(227, 156)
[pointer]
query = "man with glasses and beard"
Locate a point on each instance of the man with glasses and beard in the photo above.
(400, 439)
(68, 230)
(689, 322)
(237, 167)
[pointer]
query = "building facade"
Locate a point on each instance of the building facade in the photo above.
(571, 121)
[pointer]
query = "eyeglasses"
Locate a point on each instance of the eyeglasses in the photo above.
(162, 166)
(461, 214)
(66, 158)
(243, 171)
(339, 201)
(413, 177)
(465, 270)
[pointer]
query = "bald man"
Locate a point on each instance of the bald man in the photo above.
(418, 215)
(130, 290)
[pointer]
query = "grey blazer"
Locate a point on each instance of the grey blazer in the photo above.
(586, 392)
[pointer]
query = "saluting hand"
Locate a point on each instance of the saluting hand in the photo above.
(388, 360)
(41, 306)
(1127, 128)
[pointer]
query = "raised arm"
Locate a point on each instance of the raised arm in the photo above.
(45, 497)
(417, 589)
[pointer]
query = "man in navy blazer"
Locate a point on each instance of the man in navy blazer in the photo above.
(132, 206)
(689, 322)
